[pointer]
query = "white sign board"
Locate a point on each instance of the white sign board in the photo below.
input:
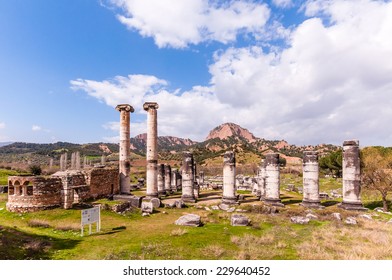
(90, 216)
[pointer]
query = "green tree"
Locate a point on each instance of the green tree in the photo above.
(332, 163)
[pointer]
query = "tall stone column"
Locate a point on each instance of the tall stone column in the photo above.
(161, 179)
(272, 180)
(351, 176)
(168, 179)
(152, 149)
(229, 189)
(261, 181)
(125, 164)
(187, 178)
(311, 193)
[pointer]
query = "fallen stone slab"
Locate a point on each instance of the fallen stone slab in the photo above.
(239, 220)
(350, 221)
(366, 216)
(299, 220)
(192, 220)
(311, 216)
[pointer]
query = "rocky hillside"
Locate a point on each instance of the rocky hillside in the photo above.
(231, 130)
(165, 143)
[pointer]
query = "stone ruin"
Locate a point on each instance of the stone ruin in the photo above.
(67, 187)
(62, 189)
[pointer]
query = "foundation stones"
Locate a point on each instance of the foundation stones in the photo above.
(229, 189)
(152, 149)
(187, 178)
(272, 180)
(189, 220)
(351, 176)
(311, 197)
(124, 164)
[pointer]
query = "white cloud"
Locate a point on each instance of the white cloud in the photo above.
(178, 23)
(330, 84)
(2, 125)
(283, 3)
(129, 90)
(325, 87)
(36, 128)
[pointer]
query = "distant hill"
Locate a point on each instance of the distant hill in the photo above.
(249, 149)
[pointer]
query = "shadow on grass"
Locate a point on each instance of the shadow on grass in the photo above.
(19, 245)
(291, 201)
(329, 203)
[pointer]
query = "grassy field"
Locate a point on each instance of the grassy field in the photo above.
(55, 234)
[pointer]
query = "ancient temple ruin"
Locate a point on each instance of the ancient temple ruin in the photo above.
(62, 189)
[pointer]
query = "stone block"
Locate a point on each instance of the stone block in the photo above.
(239, 220)
(156, 202)
(136, 201)
(147, 207)
(189, 220)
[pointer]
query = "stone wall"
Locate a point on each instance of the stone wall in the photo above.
(29, 194)
(103, 182)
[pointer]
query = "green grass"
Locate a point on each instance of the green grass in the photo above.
(55, 234)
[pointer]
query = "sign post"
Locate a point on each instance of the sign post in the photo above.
(90, 216)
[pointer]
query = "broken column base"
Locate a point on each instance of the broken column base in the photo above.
(151, 195)
(230, 200)
(354, 206)
(187, 198)
(315, 204)
(274, 202)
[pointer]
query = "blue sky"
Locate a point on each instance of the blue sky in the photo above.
(308, 72)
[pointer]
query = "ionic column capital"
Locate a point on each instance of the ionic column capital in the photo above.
(150, 105)
(125, 107)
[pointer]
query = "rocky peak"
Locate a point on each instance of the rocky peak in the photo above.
(227, 130)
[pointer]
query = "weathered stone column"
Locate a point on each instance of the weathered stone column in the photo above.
(272, 180)
(229, 189)
(179, 181)
(152, 149)
(351, 176)
(173, 183)
(187, 178)
(168, 179)
(161, 179)
(261, 181)
(310, 167)
(125, 164)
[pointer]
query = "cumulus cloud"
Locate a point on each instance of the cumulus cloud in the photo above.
(178, 23)
(326, 86)
(331, 83)
(120, 89)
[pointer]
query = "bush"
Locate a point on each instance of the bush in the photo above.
(35, 169)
